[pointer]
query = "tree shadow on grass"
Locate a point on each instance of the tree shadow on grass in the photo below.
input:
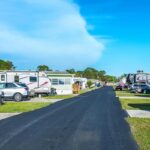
(141, 95)
(142, 106)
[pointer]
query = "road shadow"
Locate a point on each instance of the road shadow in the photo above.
(124, 113)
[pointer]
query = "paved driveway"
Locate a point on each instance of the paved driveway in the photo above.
(92, 121)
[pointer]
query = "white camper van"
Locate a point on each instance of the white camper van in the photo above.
(36, 81)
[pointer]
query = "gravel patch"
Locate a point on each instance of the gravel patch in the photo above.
(43, 100)
(7, 115)
(133, 97)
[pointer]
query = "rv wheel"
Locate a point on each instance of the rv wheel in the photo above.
(17, 97)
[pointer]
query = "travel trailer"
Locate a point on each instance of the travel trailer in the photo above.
(61, 81)
(37, 82)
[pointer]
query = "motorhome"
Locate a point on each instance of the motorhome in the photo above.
(37, 82)
(61, 81)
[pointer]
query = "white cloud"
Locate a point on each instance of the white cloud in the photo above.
(47, 32)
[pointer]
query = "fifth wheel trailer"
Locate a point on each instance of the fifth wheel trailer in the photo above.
(138, 78)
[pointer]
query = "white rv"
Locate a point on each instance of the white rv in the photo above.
(37, 82)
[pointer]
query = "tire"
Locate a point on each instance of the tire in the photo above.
(18, 97)
(1, 101)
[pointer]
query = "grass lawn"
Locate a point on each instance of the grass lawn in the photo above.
(127, 93)
(143, 104)
(141, 132)
(59, 96)
(85, 90)
(13, 107)
(68, 96)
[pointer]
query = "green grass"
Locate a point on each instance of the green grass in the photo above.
(85, 90)
(140, 127)
(141, 132)
(59, 96)
(67, 96)
(12, 107)
(127, 93)
(143, 104)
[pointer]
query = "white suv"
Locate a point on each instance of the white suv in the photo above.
(14, 91)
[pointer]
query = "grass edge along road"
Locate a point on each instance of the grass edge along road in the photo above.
(141, 131)
(140, 127)
(70, 95)
(129, 94)
(18, 107)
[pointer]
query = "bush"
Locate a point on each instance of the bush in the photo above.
(89, 83)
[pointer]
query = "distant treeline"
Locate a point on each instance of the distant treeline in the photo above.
(90, 73)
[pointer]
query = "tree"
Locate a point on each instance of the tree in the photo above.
(6, 65)
(89, 83)
(110, 78)
(79, 74)
(90, 73)
(101, 75)
(43, 68)
(71, 71)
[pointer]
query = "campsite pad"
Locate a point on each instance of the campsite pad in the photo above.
(139, 113)
(6, 115)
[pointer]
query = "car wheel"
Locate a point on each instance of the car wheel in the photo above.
(1, 101)
(17, 97)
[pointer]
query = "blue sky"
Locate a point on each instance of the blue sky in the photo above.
(113, 35)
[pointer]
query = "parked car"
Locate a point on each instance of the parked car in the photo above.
(119, 87)
(135, 86)
(143, 89)
(31, 92)
(14, 91)
(1, 97)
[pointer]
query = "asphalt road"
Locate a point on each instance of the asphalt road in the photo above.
(92, 121)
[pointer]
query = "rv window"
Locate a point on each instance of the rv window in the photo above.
(2, 77)
(67, 81)
(33, 79)
(54, 81)
(16, 79)
(2, 85)
(61, 81)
